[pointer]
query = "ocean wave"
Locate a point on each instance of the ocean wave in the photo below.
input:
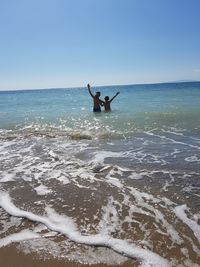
(55, 131)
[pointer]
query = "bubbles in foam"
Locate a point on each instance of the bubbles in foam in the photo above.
(66, 226)
(192, 224)
(131, 189)
(193, 159)
(42, 190)
(17, 237)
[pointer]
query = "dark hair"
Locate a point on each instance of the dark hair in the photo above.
(106, 98)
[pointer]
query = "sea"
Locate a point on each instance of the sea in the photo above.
(112, 188)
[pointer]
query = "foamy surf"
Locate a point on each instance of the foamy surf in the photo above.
(65, 225)
(192, 224)
(17, 237)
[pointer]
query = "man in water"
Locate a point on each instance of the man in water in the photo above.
(97, 102)
(107, 102)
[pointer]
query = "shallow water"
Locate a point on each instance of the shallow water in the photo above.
(107, 188)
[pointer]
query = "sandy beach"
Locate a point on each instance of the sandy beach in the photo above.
(11, 257)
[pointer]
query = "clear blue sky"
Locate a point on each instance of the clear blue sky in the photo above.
(68, 43)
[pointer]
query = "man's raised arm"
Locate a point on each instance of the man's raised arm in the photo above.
(89, 90)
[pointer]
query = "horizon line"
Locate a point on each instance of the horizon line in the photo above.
(108, 85)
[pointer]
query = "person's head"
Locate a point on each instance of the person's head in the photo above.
(106, 98)
(98, 94)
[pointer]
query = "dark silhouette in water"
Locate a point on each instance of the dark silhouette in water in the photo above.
(97, 103)
(107, 102)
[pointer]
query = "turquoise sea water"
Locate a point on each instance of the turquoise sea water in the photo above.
(143, 105)
(127, 180)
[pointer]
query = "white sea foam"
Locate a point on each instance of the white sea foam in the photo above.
(8, 177)
(159, 217)
(192, 224)
(102, 155)
(111, 179)
(110, 219)
(17, 237)
(82, 254)
(192, 159)
(172, 140)
(115, 182)
(66, 226)
(136, 176)
(173, 131)
(42, 190)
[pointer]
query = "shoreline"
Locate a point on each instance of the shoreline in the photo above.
(10, 256)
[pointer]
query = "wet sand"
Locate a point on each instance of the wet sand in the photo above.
(11, 257)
